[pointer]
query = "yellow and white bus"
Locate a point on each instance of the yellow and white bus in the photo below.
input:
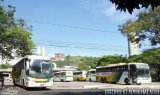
(63, 76)
(33, 71)
(79, 75)
(124, 73)
(91, 75)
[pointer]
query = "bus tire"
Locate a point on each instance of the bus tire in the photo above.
(138, 83)
(14, 83)
(23, 86)
(102, 80)
(126, 81)
(62, 80)
(90, 80)
(105, 80)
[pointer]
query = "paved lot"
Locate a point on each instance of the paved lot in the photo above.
(86, 88)
(96, 85)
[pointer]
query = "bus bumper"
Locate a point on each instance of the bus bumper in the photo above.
(35, 84)
(143, 80)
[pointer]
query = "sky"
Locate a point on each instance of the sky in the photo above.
(75, 27)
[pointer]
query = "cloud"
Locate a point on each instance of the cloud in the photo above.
(107, 9)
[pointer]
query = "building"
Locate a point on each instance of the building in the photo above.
(58, 57)
(39, 50)
(132, 47)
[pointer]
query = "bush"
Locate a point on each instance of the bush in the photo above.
(5, 65)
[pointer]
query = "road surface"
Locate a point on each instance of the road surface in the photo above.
(84, 88)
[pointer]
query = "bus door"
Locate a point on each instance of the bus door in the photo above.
(132, 72)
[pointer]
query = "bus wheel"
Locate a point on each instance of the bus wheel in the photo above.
(105, 80)
(14, 83)
(102, 80)
(23, 86)
(90, 80)
(126, 81)
(138, 83)
(62, 80)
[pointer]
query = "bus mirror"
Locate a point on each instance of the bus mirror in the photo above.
(27, 64)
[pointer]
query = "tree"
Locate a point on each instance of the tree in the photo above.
(136, 58)
(19, 40)
(5, 66)
(82, 62)
(152, 57)
(82, 66)
(106, 60)
(147, 26)
(130, 5)
(15, 35)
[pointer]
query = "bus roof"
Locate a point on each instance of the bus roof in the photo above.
(120, 64)
(112, 65)
(137, 63)
(92, 70)
(79, 71)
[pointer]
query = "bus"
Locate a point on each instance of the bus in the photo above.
(57, 76)
(79, 75)
(7, 76)
(63, 76)
(33, 71)
(124, 73)
(91, 75)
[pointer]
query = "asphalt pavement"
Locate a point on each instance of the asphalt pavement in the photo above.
(84, 88)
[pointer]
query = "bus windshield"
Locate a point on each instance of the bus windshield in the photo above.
(142, 70)
(69, 73)
(143, 73)
(40, 69)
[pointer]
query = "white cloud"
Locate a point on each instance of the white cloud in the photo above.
(107, 9)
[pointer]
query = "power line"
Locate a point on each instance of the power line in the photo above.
(81, 47)
(77, 43)
(75, 27)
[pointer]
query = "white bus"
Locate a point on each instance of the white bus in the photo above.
(57, 76)
(33, 71)
(91, 75)
(63, 76)
(124, 73)
(79, 75)
(7, 76)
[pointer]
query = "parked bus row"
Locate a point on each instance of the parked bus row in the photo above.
(122, 73)
(37, 71)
